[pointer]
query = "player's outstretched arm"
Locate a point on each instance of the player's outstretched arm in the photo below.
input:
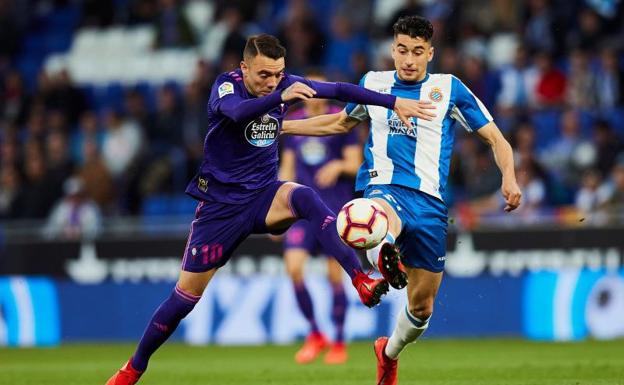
(503, 154)
(321, 125)
(350, 93)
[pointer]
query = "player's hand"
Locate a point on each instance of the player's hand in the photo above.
(511, 193)
(408, 108)
(328, 175)
(297, 90)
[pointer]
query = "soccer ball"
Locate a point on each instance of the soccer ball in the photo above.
(362, 223)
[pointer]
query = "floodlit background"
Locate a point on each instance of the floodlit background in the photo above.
(102, 119)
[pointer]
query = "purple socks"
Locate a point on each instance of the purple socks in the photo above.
(163, 323)
(305, 305)
(339, 308)
(306, 204)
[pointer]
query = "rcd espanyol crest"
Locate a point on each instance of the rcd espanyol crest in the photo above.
(262, 131)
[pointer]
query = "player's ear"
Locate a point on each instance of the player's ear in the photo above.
(431, 52)
(244, 67)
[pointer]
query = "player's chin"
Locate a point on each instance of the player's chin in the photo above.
(409, 75)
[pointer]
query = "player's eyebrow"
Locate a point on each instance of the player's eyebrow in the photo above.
(267, 72)
(401, 45)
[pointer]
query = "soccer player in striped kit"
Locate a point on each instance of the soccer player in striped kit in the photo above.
(405, 170)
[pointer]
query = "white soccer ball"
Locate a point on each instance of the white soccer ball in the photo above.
(362, 223)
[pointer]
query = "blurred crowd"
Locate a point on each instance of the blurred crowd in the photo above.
(551, 72)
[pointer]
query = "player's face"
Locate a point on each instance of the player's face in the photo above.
(262, 74)
(411, 56)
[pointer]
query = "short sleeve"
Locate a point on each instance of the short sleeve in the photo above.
(357, 111)
(224, 88)
(466, 108)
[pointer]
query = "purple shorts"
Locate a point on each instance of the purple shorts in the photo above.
(218, 229)
(300, 236)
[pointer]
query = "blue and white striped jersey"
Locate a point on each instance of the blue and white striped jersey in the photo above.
(419, 157)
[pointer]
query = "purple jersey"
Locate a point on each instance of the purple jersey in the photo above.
(312, 153)
(240, 149)
(240, 158)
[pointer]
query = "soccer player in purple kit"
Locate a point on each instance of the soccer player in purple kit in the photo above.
(327, 164)
(238, 190)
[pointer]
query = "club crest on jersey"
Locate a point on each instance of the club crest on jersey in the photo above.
(436, 95)
(225, 89)
(262, 131)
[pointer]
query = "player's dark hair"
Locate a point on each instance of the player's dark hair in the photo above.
(414, 26)
(265, 45)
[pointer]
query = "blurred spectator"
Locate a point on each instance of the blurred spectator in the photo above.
(40, 191)
(225, 28)
(60, 165)
(609, 81)
(567, 155)
(234, 40)
(581, 87)
(480, 174)
(532, 187)
(518, 85)
(613, 204)
(10, 36)
(551, 83)
(9, 152)
(173, 30)
(587, 34)
(98, 183)
(97, 13)
(166, 129)
(342, 48)
(122, 143)
(59, 93)
(538, 32)
(88, 130)
(14, 99)
(166, 146)
(75, 217)
(410, 7)
(10, 191)
(137, 111)
(194, 127)
(142, 12)
(591, 195)
(608, 146)
(302, 37)
(35, 125)
(479, 80)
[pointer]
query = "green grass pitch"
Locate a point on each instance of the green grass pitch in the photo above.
(430, 362)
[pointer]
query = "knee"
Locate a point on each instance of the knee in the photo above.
(295, 274)
(421, 309)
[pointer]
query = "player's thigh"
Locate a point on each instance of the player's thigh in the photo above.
(423, 242)
(295, 259)
(280, 214)
(385, 196)
(422, 288)
(214, 235)
(334, 270)
(195, 283)
(394, 221)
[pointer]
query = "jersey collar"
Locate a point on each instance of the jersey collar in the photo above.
(404, 83)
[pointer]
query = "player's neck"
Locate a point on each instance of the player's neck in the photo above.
(420, 79)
